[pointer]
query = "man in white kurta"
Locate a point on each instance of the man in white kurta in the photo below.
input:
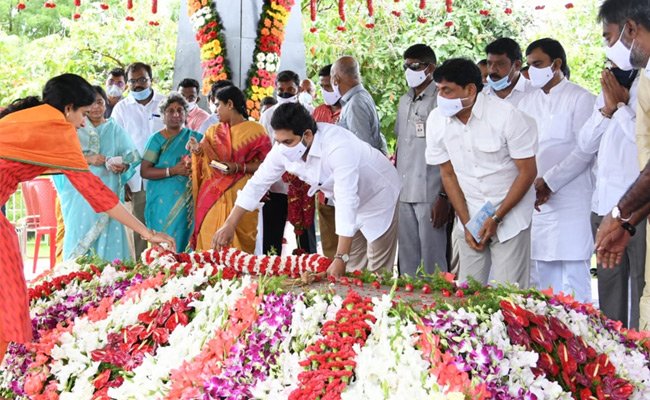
(562, 243)
(610, 134)
(360, 180)
(486, 151)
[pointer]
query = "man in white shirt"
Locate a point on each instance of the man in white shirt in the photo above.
(610, 134)
(359, 179)
(562, 243)
(504, 78)
(275, 211)
(213, 119)
(486, 151)
(139, 115)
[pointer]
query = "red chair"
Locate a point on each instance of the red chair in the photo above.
(43, 198)
(31, 219)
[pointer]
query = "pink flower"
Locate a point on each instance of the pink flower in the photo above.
(255, 81)
(34, 383)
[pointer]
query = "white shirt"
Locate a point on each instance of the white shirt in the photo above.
(562, 230)
(482, 153)
(140, 121)
(360, 180)
(213, 119)
(614, 142)
(521, 89)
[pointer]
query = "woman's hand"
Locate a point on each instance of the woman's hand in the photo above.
(96, 160)
(233, 168)
(118, 168)
(160, 238)
(182, 168)
(193, 146)
(223, 237)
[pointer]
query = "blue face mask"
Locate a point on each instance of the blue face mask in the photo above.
(501, 83)
(141, 95)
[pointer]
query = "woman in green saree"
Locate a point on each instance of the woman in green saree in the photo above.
(166, 163)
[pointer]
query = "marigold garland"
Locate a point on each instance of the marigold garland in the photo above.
(266, 57)
(208, 33)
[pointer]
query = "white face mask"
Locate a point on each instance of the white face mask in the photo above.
(415, 78)
(292, 99)
(191, 105)
(330, 98)
(305, 98)
(647, 69)
(450, 107)
(212, 107)
(114, 91)
(619, 54)
(293, 153)
(540, 76)
(336, 90)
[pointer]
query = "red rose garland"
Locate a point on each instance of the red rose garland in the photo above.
(371, 15)
(422, 19)
(331, 363)
(395, 11)
(312, 15)
(300, 211)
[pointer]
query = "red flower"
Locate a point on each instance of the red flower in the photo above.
(313, 29)
(422, 20)
(484, 13)
(460, 293)
(129, 18)
(568, 5)
(102, 379)
(376, 284)
(408, 287)
(540, 7)
(449, 24)
(396, 13)
(508, 11)
(20, 6)
(103, 6)
(426, 289)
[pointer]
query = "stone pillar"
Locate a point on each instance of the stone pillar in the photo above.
(240, 20)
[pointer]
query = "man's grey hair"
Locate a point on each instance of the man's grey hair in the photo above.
(174, 97)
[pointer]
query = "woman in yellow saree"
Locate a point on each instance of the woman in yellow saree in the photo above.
(239, 146)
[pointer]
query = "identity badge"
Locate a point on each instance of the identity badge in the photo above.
(419, 129)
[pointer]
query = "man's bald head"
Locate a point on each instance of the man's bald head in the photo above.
(345, 74)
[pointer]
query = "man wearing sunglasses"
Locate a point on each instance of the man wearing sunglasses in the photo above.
(423, 207)
(139, 115)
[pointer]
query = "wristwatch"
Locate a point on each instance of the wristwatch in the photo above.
(631, 229)
(616, 214)
(497, 219)
(343, 257)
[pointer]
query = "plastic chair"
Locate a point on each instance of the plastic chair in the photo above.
(31, 219)
(44, 197)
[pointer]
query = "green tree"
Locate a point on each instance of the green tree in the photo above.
(379, 50)
(99, 41)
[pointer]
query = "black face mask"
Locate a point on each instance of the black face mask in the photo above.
(625, 78)
(285, 95)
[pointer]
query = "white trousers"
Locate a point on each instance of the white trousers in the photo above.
(570, 277)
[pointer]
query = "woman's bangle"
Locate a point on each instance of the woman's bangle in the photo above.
(167, 172)
(244, 168)
(236, 167)
(151, 233)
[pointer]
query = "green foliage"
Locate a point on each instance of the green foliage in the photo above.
(379, 50)
(99, 41)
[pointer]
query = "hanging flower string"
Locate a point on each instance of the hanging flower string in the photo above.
(371, 15)
(395, 11)
(341, 27)
(77, 13)
(154, 11)
(312, 15)
(422, 19)
(129, 8)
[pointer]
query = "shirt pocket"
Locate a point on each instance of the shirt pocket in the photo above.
(558, 127)
(488, 151)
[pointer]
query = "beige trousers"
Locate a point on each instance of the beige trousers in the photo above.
(378, 255)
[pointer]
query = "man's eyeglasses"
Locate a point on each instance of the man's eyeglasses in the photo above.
(141, 81)
(416, 66)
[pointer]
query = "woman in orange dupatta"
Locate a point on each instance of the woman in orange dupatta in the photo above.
(38, 137)
(239, 144)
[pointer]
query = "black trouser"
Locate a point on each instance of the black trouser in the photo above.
(307, 240)
(275, 217)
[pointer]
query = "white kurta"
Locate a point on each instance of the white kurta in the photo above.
(561, 230)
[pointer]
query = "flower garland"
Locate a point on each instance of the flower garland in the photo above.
(208, 32)
(266, 57)
(331, 363)
(301, 206)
